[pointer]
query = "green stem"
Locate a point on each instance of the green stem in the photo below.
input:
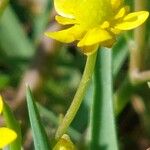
(103, 133)
(88, 71)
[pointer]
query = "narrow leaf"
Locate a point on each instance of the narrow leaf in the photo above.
(40, 138)
(103, 133)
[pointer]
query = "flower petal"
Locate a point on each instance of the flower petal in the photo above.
(1, 104)
(95, 36)
(67, 35)
(132, 20)
(6, 136)
(65, 21)
(66, 8)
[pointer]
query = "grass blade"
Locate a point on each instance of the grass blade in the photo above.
(40, 138)
(103, 133)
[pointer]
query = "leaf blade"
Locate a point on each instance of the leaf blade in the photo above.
(103, 133)
(39, 136)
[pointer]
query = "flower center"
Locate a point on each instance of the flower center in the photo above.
(92, 13)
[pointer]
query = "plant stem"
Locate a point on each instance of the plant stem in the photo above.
(53, 119)
(103, 133)
(138, 72)
(88, 71)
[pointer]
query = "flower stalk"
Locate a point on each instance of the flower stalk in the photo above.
(87, 74)
(92, 23)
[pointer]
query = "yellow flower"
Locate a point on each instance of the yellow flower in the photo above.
(64, 144)
(94, 22)
(6, 135)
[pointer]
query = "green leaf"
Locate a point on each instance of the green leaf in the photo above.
(13, 124)
(103, 133)
(40, 138)
(13, 39)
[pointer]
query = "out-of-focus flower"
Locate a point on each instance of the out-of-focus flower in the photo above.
(6, 135)
(64, 144)
(94, 22)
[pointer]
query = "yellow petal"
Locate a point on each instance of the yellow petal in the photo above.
(132, 20)
(116, 4)
(67, 35)
(65, 21)
(94, 36)
(88, 50)
(6, 136)
(1, 104)
(66, 8)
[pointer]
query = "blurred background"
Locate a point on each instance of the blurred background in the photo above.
(53, 71)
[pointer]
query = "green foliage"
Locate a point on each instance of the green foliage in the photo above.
(120, 54)
(40, 138)
(24, 48)
(103, 133)
(51, 117)
(13, 39)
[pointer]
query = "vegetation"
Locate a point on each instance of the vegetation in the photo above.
(39, 77)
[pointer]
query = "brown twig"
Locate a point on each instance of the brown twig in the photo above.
(137, 52)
